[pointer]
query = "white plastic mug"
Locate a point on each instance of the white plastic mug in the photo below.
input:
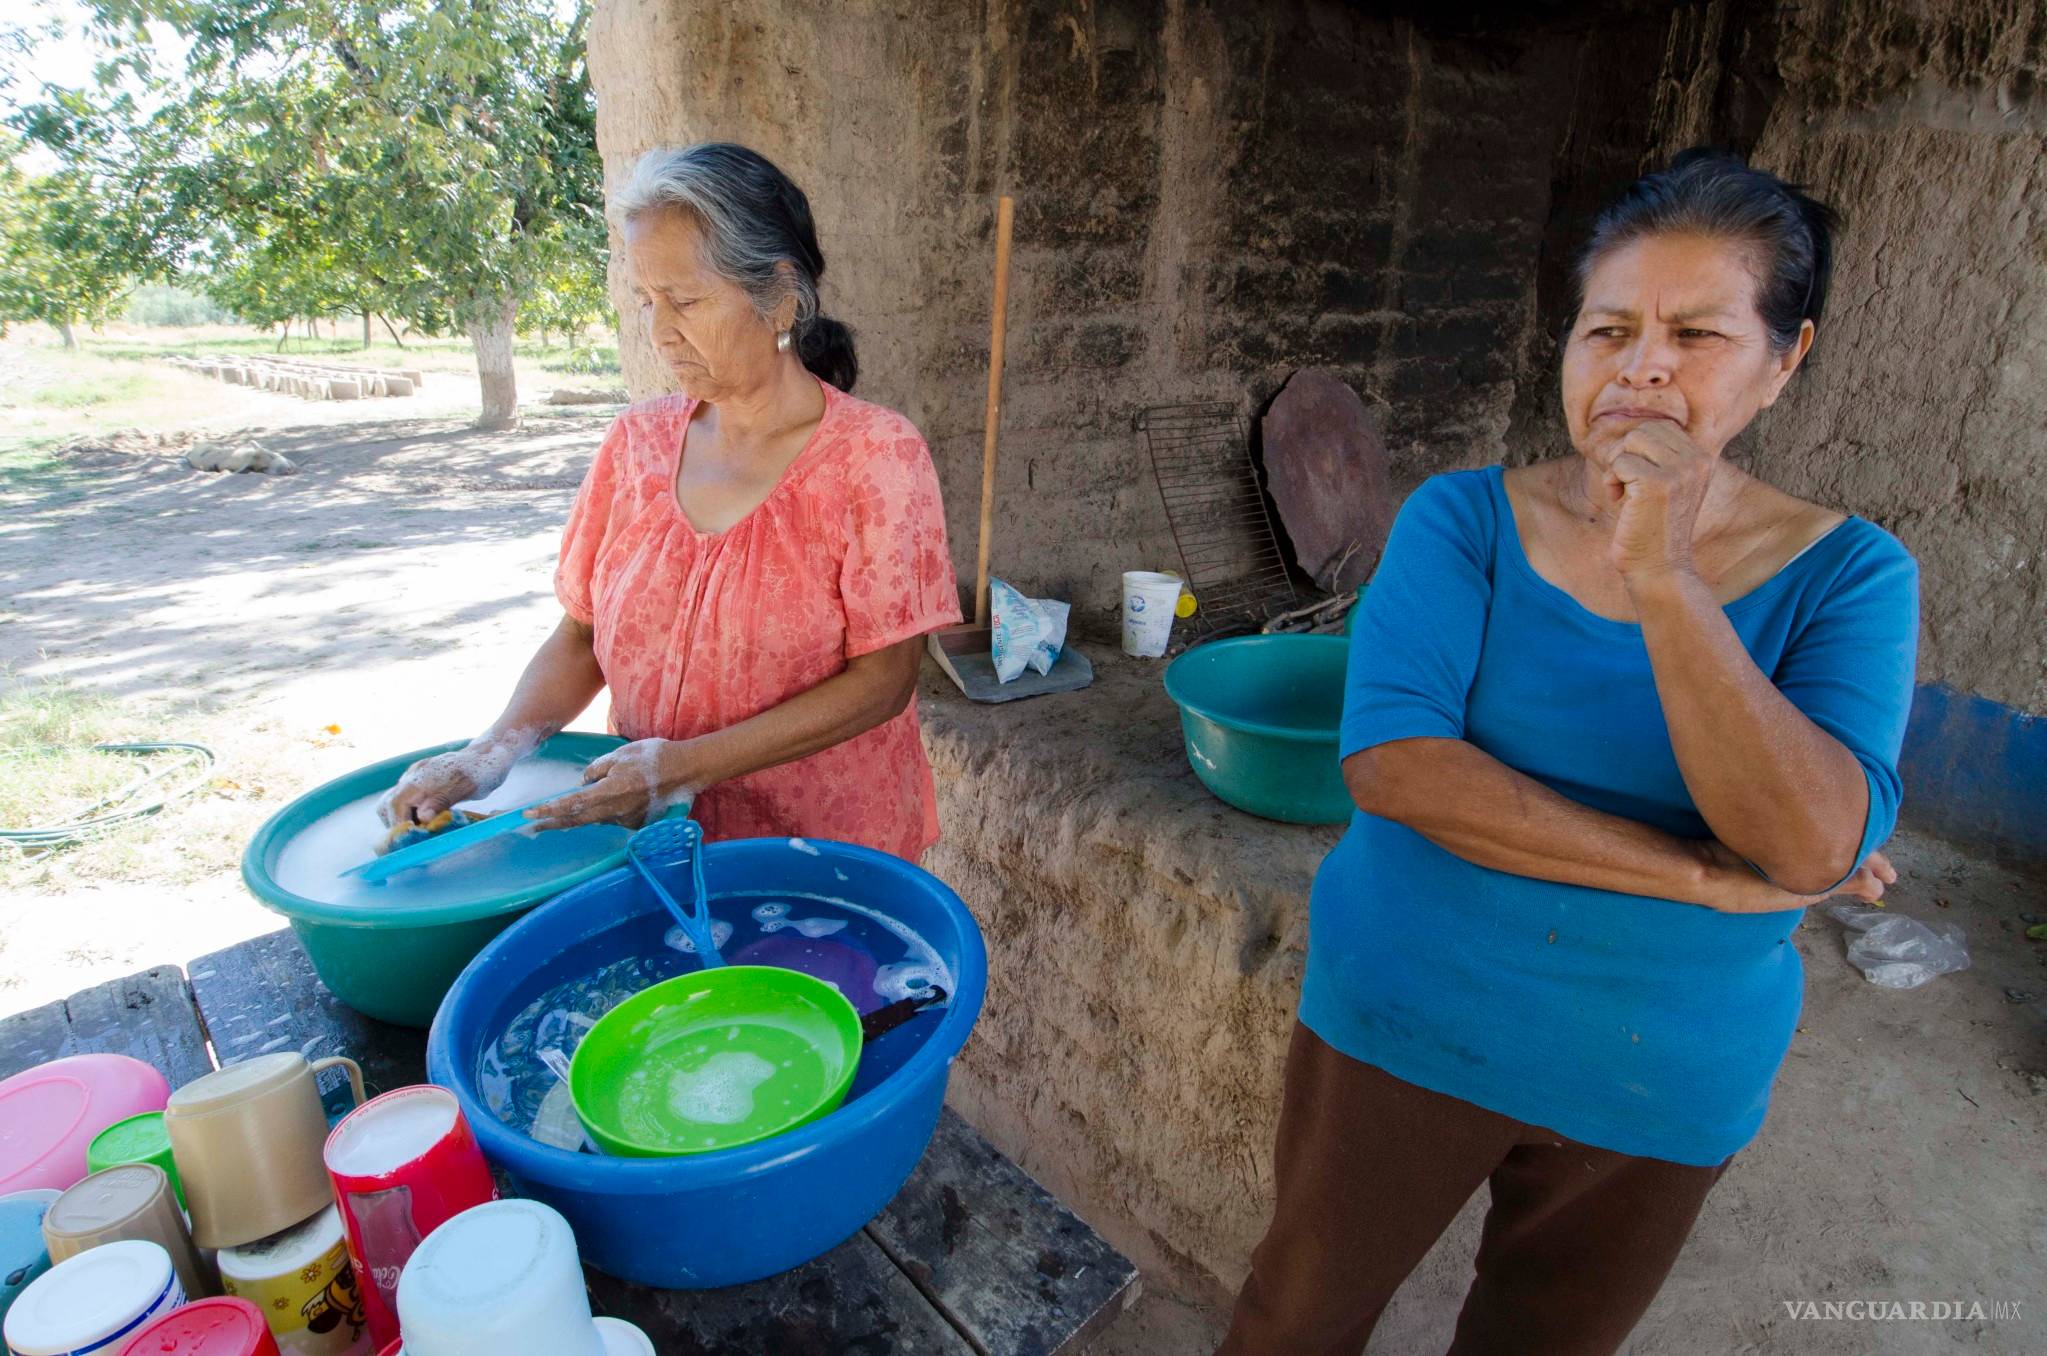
(505, 1277)
(1149, 599)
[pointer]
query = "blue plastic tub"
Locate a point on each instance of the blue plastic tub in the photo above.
(736, 1215)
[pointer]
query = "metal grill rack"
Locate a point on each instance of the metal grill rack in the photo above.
(1215, 504)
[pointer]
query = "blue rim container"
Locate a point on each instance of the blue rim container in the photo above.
(1260, 717)
(735, 1215)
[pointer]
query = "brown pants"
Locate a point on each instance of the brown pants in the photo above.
(1372, 1170)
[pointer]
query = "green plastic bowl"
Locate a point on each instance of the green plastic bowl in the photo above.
(714, 1060)
(1260, 715)
(396, 964)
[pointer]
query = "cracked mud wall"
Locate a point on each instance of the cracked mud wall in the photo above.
(1208, 196)
(1211, 195)
(1927, 408)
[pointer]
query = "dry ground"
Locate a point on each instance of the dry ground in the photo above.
(376, 602)
(384, 599)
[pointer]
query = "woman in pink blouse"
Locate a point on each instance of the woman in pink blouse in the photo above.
(751, 565)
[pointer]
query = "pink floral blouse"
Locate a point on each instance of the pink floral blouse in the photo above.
(696, 631)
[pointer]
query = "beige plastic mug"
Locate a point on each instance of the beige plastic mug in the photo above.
(248, 1140)
(127, 1201)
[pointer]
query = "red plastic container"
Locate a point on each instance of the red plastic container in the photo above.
(402, 1165)
(212, 1327)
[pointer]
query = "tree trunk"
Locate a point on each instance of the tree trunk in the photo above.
(283, 333)
(392, 330)
(490, 330)
(366, 329)
(70, 339)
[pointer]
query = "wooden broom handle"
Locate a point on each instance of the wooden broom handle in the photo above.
(1004, 215)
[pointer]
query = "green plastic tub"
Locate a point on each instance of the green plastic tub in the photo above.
(1260, 717)
(396, 962)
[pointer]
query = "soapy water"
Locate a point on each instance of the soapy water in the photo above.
(773, 917)
(675, 937)
(391, 1134)
(694, 1084)
(312, 862)
(720, 1091)
(873, 960)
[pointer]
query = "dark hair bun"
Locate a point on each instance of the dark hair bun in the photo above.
(826, 347)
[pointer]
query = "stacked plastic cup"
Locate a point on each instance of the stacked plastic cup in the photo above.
(505, 1277)
(23, 1253)
(93, 1303)
(402, 1165)
(127, 1201)
(212, 1327)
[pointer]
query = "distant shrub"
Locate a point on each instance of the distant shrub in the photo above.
(596, 360)
(175, 307)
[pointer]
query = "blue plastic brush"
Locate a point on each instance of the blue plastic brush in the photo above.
(672, 844)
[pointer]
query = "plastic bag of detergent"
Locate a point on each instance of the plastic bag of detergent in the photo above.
(1029, 632)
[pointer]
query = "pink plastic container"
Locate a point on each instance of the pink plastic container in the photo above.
(49, 1114)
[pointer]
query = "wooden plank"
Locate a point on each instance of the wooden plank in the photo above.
(1014, 1270)
(148, 1016)
(262, 996)
(850, 1302)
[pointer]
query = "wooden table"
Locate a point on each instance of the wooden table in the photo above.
(973, 1258)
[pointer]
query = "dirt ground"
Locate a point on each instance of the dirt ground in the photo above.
(385, 597)
(1145, 951)
(380, 600)
(1902, 1160)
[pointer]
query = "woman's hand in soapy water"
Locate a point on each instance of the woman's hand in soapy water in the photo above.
(434, 784)
(633, 786)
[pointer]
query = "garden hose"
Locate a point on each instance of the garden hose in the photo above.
(125, 806)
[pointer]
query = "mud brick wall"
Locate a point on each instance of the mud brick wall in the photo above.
(1208, 197)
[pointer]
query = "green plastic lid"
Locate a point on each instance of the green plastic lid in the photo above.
(139, 1139)
(714, 1060)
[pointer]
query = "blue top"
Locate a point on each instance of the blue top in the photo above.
(1637, 1024)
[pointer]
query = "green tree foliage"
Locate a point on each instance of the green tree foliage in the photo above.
(174, 307)
(66, 253)
(432, 160)
(572, 295)
(436, 161)
(111, 210)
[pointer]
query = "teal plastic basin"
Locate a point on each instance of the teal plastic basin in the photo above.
(396, 963)
(1260, 717)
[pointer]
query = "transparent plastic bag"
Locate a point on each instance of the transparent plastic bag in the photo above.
(1899, 952)
(1029, 632)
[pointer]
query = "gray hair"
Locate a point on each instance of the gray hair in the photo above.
(754, 219)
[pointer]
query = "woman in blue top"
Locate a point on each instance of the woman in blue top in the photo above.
(1613, 720)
